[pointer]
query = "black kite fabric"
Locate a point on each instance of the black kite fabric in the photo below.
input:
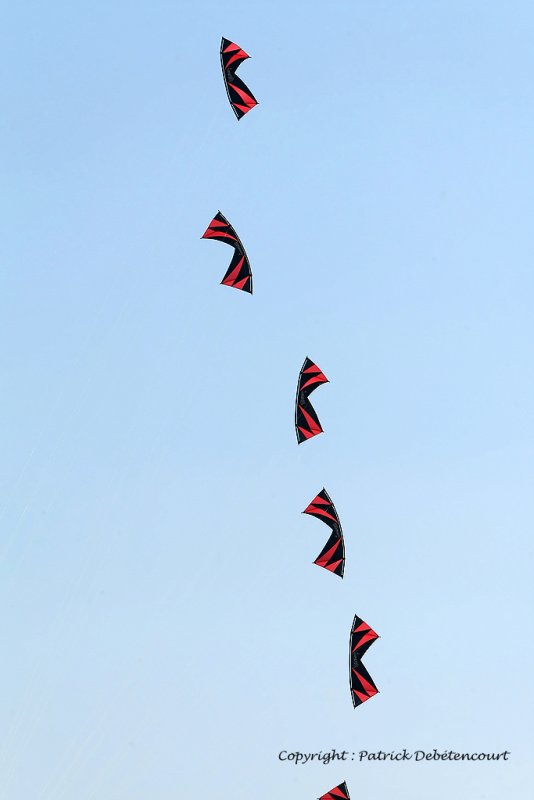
(338, 793)
(362, 687)
(307, 423)
(332, 556)
(238, 274)
(240, 97)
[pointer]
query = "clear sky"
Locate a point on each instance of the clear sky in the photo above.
(165, 633)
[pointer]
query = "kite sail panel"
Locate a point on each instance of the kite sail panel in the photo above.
(240, 97)
(337, 793)
(332, 556)
(362, 686)
(307, 423)
(238, 274)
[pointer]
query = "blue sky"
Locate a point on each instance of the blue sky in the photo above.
(163, 624)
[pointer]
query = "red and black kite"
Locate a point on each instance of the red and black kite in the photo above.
(332, 556)
(240, 97)
(238, 274)
(307, 423)
(338, 793)
(362, 686)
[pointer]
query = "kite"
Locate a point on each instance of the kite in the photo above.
(307, 424)
(240, 97)
(238, 274)
(338, 793)
(332, 556)
(361, 683)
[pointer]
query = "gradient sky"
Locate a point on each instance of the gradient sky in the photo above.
(165, 632)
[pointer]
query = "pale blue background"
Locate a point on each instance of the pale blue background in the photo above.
(164, 631)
